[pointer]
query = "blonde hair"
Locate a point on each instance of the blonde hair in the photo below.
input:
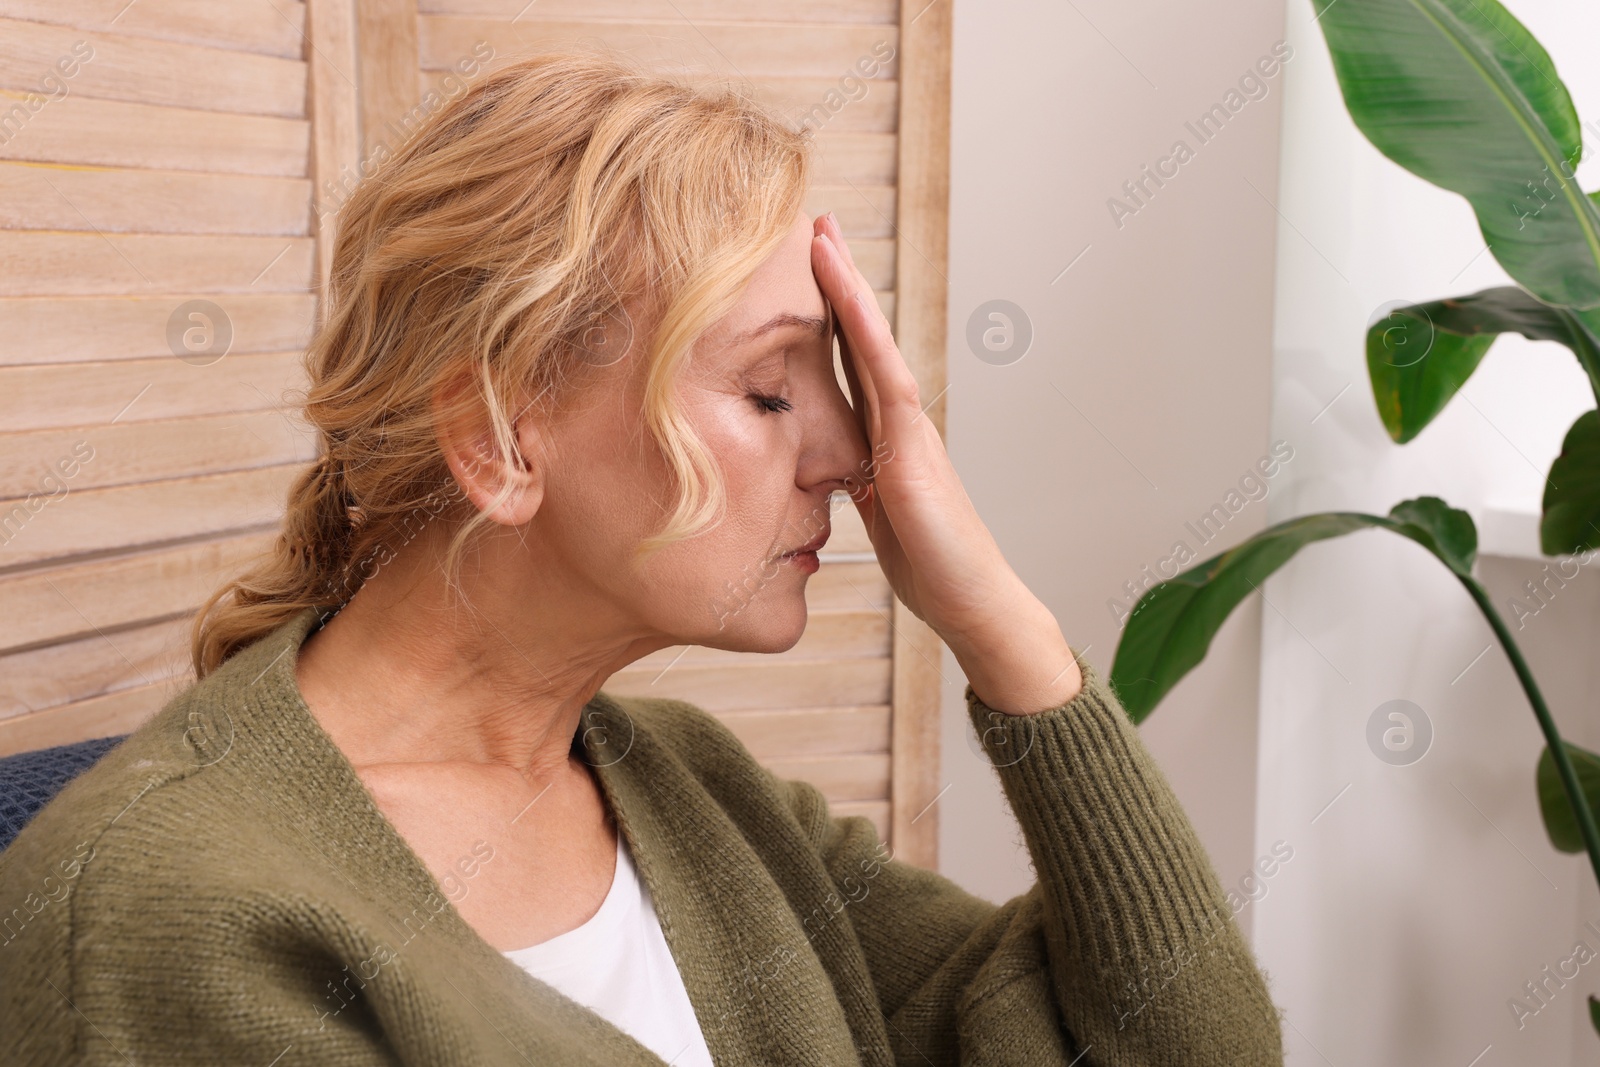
(561, 192)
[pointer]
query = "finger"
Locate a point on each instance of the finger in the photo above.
(871, 420)
(827, 227)
(858, 485)
(893, 385)
(863, 394)
(830, 226)
(858, 396)
(859, 482)
(835, 233)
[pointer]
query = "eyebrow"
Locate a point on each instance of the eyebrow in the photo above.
(810, 323)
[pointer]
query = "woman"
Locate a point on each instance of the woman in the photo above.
(576, 396)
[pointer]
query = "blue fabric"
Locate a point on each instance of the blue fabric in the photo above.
(29, 780)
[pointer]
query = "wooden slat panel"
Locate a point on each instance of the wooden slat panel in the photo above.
(863, 211)
(848, 587)
(83, 394)
(881, 11)
(855, 777)
(781, 740)
(796, 50)
(116, 134)
(61, 603)
(101, 663)
(875, 257)
(828, 635)
(38, 196)
(129, 452)
(778, 684)
(51, 264)
(103, 520)
(886, 302)
(793, 733)
(918, 696)
(87, 328)
(872, 111)
(847, 533)
(810, 731)
(176, 169)
(271, 27)
(923, 148)
(336, 124)
(103, 716)
(842, 103)
(922, 293)
(388, 79)
(848, 158)
(145, 71)
(862, 163)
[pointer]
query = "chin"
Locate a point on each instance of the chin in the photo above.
(772, 621)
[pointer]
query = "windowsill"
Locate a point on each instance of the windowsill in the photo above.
(1509, 531)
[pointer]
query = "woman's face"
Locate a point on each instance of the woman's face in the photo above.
(761, 392)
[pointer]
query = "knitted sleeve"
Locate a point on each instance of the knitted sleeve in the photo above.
(1123, 954)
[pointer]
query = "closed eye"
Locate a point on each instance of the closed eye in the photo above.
(771, 403)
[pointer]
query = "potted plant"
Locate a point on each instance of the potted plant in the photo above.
(1461, 94)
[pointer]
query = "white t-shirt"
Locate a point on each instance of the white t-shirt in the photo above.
(618, 965)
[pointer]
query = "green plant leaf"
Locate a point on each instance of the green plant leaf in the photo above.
(1445, 531)
(1594, 1013)
(1560, 822)
(1421, 354)
(1170, 629)
(1461, 94)
(1571, 521)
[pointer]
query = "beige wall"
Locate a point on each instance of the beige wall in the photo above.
(1159, 337)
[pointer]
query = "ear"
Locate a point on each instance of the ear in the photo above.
(477, 463)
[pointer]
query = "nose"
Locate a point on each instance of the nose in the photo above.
(835, 453)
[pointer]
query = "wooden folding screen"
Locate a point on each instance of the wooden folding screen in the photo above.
(155, 271)
(166, 215)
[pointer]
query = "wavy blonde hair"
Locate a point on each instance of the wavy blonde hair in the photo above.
(561, 192)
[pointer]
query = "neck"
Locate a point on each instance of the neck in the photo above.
(491, 672)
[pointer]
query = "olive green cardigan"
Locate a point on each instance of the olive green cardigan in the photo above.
(220, 888)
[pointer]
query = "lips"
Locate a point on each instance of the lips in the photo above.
(813, 545)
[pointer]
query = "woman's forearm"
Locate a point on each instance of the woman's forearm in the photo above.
(1019, 663)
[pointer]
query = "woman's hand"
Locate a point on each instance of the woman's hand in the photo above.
(938, 555)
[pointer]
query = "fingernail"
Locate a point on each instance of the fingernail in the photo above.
(833, 220)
